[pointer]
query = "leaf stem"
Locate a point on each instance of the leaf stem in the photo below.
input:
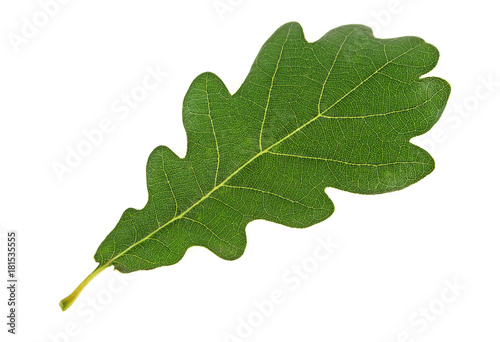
(68, 301)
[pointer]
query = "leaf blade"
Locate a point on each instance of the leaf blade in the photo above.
(209, 97)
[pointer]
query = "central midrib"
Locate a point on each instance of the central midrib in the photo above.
(320, 114)
(109, 262)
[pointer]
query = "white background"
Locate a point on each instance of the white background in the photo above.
(396, 251)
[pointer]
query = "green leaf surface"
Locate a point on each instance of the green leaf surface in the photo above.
(338, 112)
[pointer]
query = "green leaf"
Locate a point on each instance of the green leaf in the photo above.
(338, 112)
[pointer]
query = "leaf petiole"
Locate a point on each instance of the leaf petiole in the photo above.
(68, 301)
